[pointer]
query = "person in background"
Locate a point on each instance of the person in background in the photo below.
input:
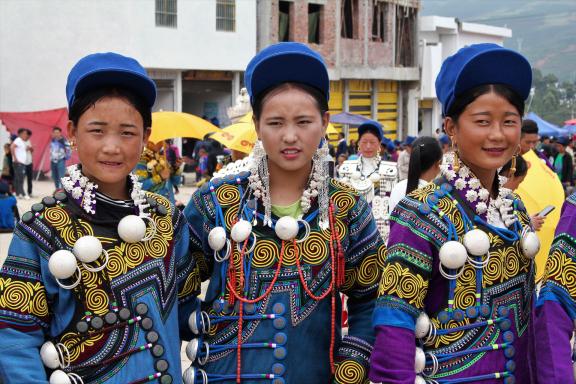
(563, 165)
(425, 161)
(175, 160)
(352, 148)
(59, 152)
(341, 159)
(8, 168)
(9, 215)
(342, 147)
(154, 171)
(514, 181)
(391, 148)
(404, 158)
(22, 149)
(529, 140)
(445, 143)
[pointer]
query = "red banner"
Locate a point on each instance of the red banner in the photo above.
(41, 124)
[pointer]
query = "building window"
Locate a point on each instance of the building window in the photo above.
(348, 12)
(226, 15)
(406, 36)
(379, 22)
(284, 20)
(167, 13)
(314, 15)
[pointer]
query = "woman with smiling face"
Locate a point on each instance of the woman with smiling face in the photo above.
(92, 286)
(455, 297)
(279, 243)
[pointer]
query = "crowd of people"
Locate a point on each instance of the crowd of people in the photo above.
(423, 243)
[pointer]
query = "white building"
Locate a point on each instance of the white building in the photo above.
(441, 37)
(196, 50)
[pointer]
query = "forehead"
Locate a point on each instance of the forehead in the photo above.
(368, 136)
(288, 98)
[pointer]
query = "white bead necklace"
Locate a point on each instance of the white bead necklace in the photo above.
(497, 210)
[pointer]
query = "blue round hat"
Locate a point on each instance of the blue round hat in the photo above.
(109, 69)
(283, 63)
(373, 127)
(481, 64)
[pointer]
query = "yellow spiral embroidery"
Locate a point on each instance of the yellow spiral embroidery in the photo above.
(116, 265)
(265, 253)
(368, 272)
(404, 284)
(343, 201)
(134, 254)
(76, 346)
(314, 250)
(25, 297)
(350, 278)
(449, 338)
(350, 372)
(228, 195)
(97, 301)
(230, 216)
(156, 247)
(163, 225)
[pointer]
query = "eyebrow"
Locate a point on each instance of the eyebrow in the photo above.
(486, 113)
(103, 123)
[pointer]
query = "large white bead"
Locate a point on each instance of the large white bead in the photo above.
(241, 230)
(192, 349)
(286, 228)
(59, 377)
(132, 229)
(189, 375)
(217, 238)
(62, 264)
(420, 360)
(477, 242)
(375, 177)
(422, 326)
(453, 255)
(530, 244)
(49, 355)
(87, 249)
(419, 380)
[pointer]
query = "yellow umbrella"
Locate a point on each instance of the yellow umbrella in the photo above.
(241, 136)
(541, 188)
(168, 125)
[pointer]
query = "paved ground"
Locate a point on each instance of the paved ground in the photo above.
(45, 188)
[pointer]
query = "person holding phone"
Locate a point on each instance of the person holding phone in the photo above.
(516, 178)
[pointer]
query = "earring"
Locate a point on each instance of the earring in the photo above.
(456, 162)
(72, 145)
(512, 169)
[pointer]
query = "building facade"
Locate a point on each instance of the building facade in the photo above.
(441, 37)
(370, 47)
(196, 51)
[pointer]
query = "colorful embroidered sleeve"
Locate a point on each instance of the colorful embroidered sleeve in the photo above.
(364, 256)
(556, 306)
(24, 315)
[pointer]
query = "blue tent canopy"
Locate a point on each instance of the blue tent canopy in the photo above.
(545, 128)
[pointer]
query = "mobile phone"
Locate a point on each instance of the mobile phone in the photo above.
(546, 210)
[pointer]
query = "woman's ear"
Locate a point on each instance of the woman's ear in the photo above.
(449, 126)
(72, 130)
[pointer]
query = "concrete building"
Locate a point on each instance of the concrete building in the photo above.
(370, 47)
(441, 37)
(194, 50)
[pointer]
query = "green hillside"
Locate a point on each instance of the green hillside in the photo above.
(543, 30)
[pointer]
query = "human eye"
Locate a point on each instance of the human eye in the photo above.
(129, 133)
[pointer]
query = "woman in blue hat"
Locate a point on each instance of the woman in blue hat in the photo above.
(455, 300)
(91, 287)
(280, 242)
(370, 175)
